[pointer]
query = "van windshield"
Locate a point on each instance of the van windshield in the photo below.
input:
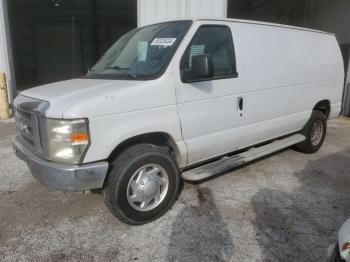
(143, 53)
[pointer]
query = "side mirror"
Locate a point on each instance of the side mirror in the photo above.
(202, 67)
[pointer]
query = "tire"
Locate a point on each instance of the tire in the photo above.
(335, 256)
(313, 142)
(130, 171)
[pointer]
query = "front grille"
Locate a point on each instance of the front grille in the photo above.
(30, 117)
(24, 124)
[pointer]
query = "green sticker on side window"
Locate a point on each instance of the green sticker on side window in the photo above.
(195, 51)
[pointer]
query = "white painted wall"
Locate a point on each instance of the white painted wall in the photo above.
(5, 50)
(152, 11)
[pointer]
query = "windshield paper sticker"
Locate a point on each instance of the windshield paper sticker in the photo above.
(163, 41)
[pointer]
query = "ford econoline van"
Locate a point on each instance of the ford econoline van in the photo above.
(185, 99)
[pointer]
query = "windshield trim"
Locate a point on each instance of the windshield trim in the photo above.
(140, 77)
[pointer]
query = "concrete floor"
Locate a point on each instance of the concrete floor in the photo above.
(286, 207)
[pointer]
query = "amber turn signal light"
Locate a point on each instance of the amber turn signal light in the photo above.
(79, 137)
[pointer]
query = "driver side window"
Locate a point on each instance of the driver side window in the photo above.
(215, 41)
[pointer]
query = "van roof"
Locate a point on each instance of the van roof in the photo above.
(243, 21)
(261, 23)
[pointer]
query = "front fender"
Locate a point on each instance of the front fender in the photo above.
(107, 132)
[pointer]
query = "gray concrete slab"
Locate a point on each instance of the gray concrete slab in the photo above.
(286, 207)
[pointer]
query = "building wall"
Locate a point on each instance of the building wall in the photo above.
(69, 37)
(6, 64)
(151, 11)
(334, 16)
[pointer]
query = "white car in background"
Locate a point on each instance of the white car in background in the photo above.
(341, 251)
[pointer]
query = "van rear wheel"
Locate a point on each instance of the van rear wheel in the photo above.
(143, 184)
(315, 133)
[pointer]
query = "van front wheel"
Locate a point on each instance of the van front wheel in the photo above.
(315, 133)
(143, 184)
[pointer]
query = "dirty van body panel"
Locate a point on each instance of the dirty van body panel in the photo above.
(117, 110)
(287, 73)
(283, 74)
(154, 110)
(209, 111)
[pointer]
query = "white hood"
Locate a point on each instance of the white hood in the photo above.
(98, 97)
(70, 88)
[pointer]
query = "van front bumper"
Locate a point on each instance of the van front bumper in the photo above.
(60, 176)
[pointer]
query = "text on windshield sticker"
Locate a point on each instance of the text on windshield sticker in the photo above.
(163, 41)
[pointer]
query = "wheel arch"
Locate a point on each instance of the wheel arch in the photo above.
(154, 138)
(324, 106)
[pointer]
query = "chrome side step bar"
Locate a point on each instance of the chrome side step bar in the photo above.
(227, 163)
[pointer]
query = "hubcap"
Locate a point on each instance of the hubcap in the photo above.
(316, 133)
(147, 187)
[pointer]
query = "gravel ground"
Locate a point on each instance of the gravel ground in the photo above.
(286, 207)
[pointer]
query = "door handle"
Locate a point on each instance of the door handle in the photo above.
(240, 103)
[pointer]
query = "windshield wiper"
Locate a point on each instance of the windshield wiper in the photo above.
(123, 70)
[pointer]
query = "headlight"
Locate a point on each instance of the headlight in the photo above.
(68, 140)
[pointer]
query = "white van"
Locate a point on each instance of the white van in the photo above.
(180, 99)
